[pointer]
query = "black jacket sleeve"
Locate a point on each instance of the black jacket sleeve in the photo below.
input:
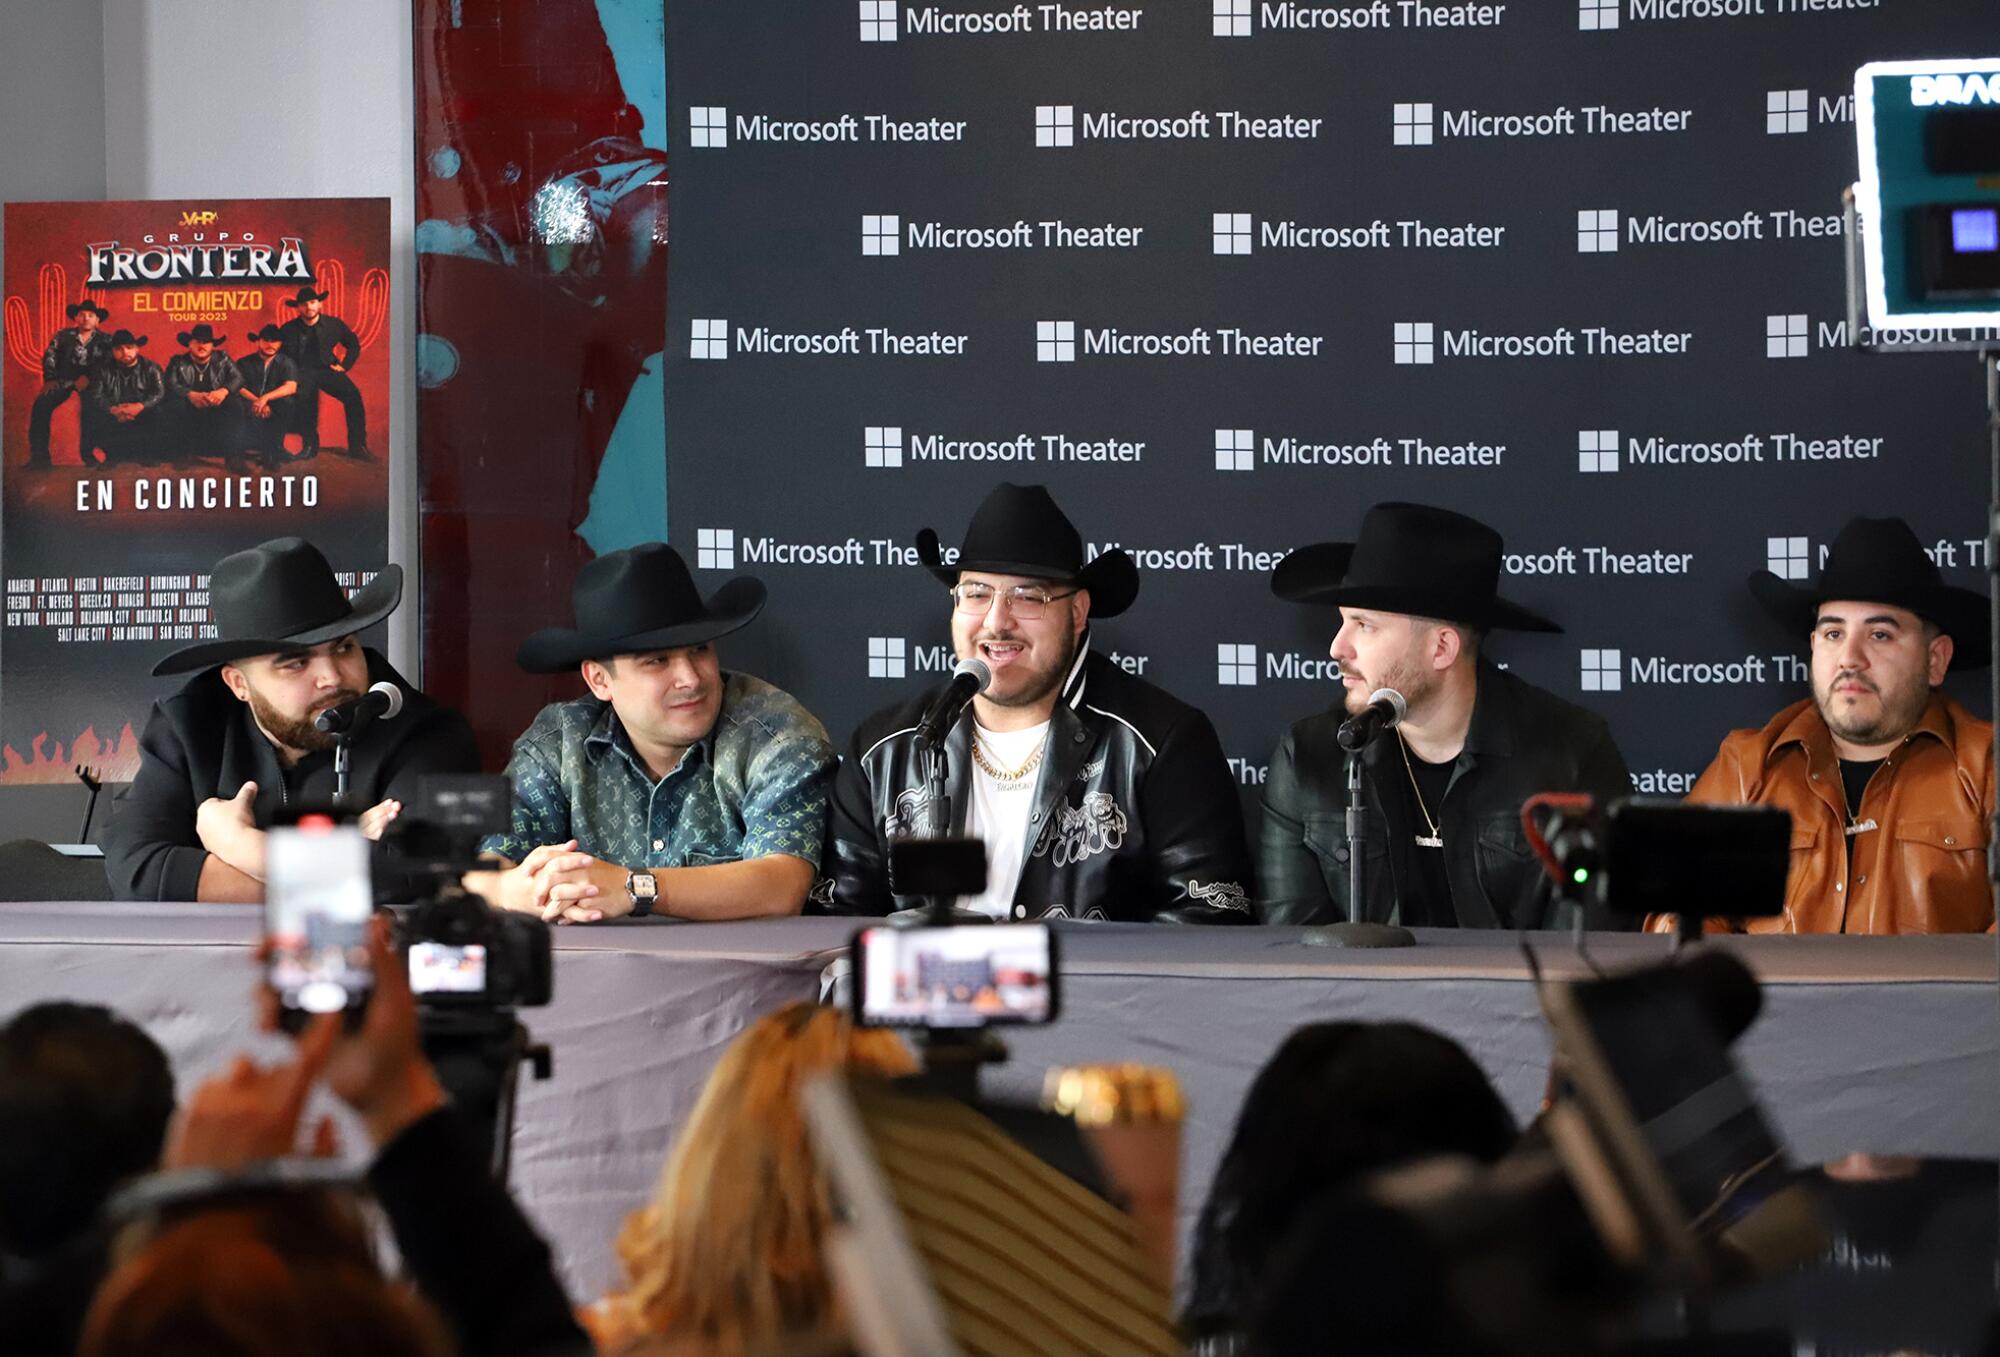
(1293, 887)
(1195, 824)
(151, 851)
(857, 858)
(468, 1247)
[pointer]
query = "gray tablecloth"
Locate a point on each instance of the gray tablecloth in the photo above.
(1881, 1044)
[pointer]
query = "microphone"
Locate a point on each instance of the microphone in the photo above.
(1385, 710)
(968, 678)
(380, 702)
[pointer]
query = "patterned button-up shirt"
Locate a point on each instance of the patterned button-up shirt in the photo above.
(757, 785)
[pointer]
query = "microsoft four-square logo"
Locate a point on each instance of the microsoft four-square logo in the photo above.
(1236, 666)
(1786, 557)
(1597, 231)
(1235, 450)
(1232, 18)
(881, 235)
(708, 127)
(1232, 232)
(1414, 124)
(1597, 449)
(1055, 124)
(1594, 16)
(1055, 341)
(1786, 337)
(882, 445)
(1600, 671)
(888, 657)
(1416, 342)
(1785, 112)
(710, 339)
(715, 548)
(878, 20)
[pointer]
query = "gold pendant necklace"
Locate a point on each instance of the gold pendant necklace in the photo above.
(1433, 839)
(1008, 779)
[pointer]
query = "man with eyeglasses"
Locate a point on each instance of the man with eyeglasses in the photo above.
(1098, 795)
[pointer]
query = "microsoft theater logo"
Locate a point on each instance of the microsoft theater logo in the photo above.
(881, 235)
(888, 657)
(1596, 450)
(1235, 450)
(882, 446)
(1232, 18)
(708, 127)
(1595, 16)
(1416, 342)
(1055, 124)
(715, 548)
(1414, 124)
(1055, 341)
(1232, 232)
(1600, 671)
(878, 20)
(1787, 557)
(1236, 665)
(1597, 231)
(710, 339)
(1786, 336)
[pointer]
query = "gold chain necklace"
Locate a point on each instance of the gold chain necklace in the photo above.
(1005, 777)
(1433, 839)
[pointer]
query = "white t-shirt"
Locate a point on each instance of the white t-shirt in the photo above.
(998, 813)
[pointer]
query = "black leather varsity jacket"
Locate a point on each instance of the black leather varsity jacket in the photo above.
(1135, 819)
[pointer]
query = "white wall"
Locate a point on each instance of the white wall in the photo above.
(292, 99)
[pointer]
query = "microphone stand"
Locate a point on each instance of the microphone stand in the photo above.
(343, 754)
(937, 794)
(1355, 931)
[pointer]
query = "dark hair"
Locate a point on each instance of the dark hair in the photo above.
(1338, 1101)
(85, 1098)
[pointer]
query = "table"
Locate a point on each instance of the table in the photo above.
(1886, 1044)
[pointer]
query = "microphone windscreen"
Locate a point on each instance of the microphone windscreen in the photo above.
(978, 670)
(1726, 990)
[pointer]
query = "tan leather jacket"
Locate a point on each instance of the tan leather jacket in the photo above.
(1921, 869)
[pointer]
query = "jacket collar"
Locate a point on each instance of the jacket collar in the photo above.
(1808, 730)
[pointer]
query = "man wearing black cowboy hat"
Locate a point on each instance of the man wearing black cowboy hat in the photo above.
(676, 788)
(203, 414)
(73, 355)
(220, 757)
(269, 395)
(325, 349)
(1417, 593)
(128, 392)
(1889, 782)
(1098, 795)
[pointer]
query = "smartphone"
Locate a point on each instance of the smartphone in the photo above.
(959, 976)
(318, 899)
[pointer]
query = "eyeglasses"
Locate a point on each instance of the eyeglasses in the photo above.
(1025, 601)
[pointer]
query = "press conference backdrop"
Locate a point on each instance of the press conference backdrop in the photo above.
(1222, 273)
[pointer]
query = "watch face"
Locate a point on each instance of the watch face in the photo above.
(642, 885)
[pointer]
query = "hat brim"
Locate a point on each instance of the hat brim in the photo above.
(1315, 574)
(1112, 580)
(79, 308)
(370, 604)
(730, 608)
(1959, 613)
(305, 297)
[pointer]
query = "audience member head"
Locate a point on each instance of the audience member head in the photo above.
(282, 1275)
(728, 1250)
(1338, 1101)
(85, 1098)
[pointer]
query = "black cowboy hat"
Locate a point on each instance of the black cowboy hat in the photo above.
(281, 595)
(306, 294)
(270, 332)
(635, 600)
(201, 332)
(1880, 560)
(1410, 558)
(127, 337)
(76, 308)
(1019, 530)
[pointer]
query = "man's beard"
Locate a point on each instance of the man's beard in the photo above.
(1404, 676)
(299, 734)
(1901, 710)
(1045, 681)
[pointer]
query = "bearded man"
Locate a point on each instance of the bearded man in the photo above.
(1098, 795)
(1417, 593)
(237, 743)
(1889, 782)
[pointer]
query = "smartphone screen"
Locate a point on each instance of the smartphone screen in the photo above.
(318, 899)
(968, 976)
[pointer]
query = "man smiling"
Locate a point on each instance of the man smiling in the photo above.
(1098, 796)
(674, 789)
(1889, 782)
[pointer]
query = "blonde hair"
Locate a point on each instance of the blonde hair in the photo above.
(728, 1249)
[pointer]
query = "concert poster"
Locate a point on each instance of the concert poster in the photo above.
(183, 379)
